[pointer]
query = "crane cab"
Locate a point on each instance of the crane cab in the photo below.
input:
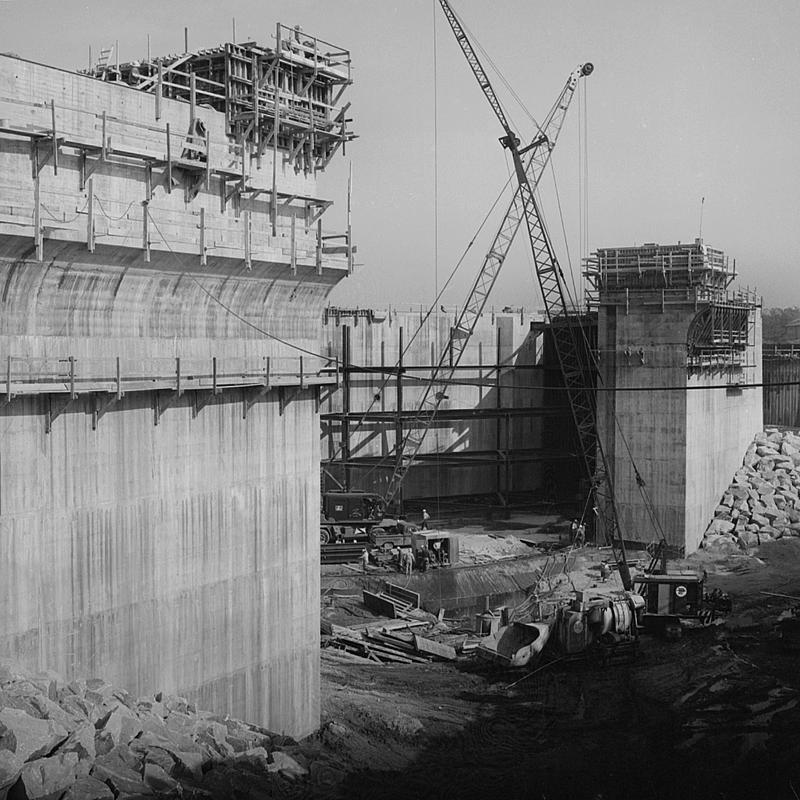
(670, 598)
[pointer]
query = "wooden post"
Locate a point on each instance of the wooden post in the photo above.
(146, 230)
(203, 259)
(37, 220)
(178, 386)
(247, 253)
(319, 247)
(90, 217)
(104, 145)
(208, 160)
(72, 377)
(214, 375)
(169, 162)
(55, 137)
(119, 380)
(159, 88)
(256, 111)
(8, 380)
(293, 246)
(349, 221)
(192, 100)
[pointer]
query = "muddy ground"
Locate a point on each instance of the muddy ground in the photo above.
(713, 715)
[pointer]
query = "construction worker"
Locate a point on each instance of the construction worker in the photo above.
(437, 551)
(425, 517)
(580, 535)
(605, 571)
(408, 561)
(573, 531)
(364, 558)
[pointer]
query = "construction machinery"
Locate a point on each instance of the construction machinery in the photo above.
(407, 448)
(674, 597)
(574, 356)
(348, 515)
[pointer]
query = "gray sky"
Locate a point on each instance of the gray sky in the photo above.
(689, 99)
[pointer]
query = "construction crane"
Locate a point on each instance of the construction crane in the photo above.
(540, 149)
(565, 322)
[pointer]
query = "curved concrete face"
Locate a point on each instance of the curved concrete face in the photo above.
(73, 305)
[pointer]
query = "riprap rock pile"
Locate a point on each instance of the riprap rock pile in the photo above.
(763, 501)
(86, 740)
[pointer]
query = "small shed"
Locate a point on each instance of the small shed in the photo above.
(439, 547)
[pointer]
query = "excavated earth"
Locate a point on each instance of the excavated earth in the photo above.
(715, 714)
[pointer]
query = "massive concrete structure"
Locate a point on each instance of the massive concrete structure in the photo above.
(164, 270)
(677, 352)
(499, 431)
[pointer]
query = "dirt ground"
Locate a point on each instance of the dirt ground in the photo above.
(713, 715)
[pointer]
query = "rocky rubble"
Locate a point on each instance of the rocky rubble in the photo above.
(763, 501)
(87, 740)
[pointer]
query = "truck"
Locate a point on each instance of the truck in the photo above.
(349, 515)
(359, 516)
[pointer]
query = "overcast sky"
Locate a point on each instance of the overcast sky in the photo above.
(689, 99)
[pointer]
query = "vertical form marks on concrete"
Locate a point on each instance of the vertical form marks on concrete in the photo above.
(185, 568)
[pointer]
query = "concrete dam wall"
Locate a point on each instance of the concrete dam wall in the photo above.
(159, 467)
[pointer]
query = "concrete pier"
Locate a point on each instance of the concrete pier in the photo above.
(159, 341)
(677, 351)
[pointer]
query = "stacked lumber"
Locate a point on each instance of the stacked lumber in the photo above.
(394, 601)
(386, 645)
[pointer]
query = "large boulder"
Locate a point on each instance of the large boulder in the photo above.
(120, 724)
(27, 737)
(48, 778)
(116, 770)
(88, 788)
(720, 526)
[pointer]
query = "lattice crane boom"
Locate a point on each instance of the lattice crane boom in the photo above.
(450, 357)
(564, 322)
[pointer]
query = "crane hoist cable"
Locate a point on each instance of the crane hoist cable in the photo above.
(567, 341)
(532, 169)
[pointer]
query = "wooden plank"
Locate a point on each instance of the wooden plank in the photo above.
(403, 625)
(379, 604)
(400, 593)
(431, 648)
(388, 653)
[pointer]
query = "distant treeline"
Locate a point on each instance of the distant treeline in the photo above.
(775, 322)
